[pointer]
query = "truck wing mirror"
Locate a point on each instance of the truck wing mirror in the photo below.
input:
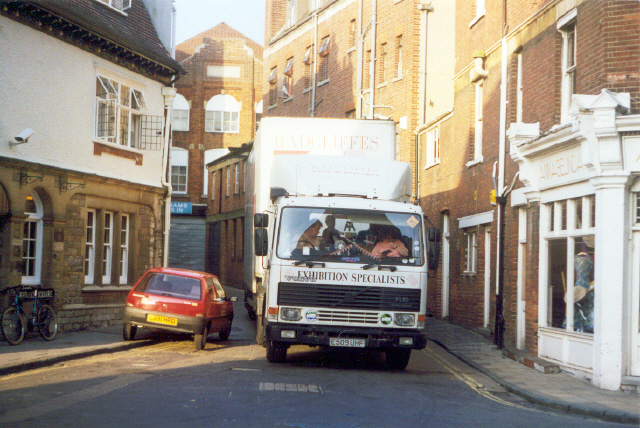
(434, 236)
(260, 220)
(261, 241)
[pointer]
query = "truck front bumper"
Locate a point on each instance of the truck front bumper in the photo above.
(321, 335)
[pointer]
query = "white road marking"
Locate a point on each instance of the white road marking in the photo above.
(290, 387)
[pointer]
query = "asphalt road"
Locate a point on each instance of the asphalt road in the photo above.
(230, 384)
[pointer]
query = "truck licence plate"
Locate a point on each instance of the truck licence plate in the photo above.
(346, 343)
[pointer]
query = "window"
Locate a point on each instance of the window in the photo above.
(569, 235)
(323, 52)
(352, 33)
(366, 78)
(32, 240)
(472, 251)
(383, 63)
(567, 28)
(291, 12)
(118, 112)
(478, 11)
(180, 114)
(308, 61)
(222, 114)
(213, 186)
(120, 5)
(124, 248)
(236, 188)
(287, 87)
(179, 160)
(519, 93)
(399, 57)
(273, 87)
(228, 179)
(107, 248)
(476, 149)
(432, 147)
(90, 247)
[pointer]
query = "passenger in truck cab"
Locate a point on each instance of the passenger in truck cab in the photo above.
(309, 238)
(389, 243)
(330, 234)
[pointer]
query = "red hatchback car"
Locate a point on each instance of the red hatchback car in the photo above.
(180, 301)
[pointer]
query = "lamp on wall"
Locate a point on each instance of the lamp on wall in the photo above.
(22, 137)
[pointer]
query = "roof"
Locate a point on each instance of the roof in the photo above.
(220, 31)
(134, 31)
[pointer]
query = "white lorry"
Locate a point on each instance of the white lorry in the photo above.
(335, 253)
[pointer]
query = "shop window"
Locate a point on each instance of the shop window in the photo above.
(571, 254)
(32, 240)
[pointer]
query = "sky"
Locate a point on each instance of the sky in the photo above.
(196, 16)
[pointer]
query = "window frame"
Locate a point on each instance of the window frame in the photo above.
(32, 253)
(179, 158)
(125, 233)
(568, 29)
(180, 114)
(107, 246)
(432, 147)
(471, 253)
(90, 246)
(119, 112)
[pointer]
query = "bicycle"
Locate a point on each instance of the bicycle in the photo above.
(15, 321)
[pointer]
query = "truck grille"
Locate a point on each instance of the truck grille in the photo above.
(349, 297)
(348, 317)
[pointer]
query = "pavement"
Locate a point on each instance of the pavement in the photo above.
(559, 391)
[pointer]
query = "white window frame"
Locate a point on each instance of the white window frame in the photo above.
(228, 180)
(237, 181)
(32, 253)
(477, 124)
(180, 114)
(568, 29)
(471, 260)
(291, 12)
(125, 229)
(90, 247)
(519, 88)
(399, 48)
(480, 12)
(107, 247)
(119, 5)
(432, 147)
(179, 161)
(213, 186)
(222, 114)
(119, 108)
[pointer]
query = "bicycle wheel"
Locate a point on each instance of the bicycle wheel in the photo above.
(47, 322)
(12, 326)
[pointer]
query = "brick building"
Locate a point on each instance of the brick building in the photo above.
(539, 103)
(216, 110)
(82, 195)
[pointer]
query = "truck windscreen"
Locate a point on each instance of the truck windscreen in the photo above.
(350, 236)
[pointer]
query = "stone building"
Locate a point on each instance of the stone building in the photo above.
(217, 109)
(83, 149)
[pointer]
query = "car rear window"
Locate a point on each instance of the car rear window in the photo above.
(163, 284)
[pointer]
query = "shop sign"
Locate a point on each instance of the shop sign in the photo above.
(180, 207)
(560, 168)
(631, 147)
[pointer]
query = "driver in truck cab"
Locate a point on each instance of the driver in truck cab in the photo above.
(309, 238)
(389, 243)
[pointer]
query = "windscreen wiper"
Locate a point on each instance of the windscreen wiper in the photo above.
(309, 262)
(380, 266)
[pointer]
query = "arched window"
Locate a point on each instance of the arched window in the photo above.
(180, 115)
(223, 114)
(32, 240)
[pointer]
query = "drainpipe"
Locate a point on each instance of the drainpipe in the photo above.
(169, 94)
(501, 191)
(425, 8)
(372, 64)
(360, 55)
(315, 62)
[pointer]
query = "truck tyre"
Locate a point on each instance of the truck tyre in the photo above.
(250, 310)
(276, 352)
(397, 359)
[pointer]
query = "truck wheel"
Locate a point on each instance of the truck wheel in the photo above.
(250, 310)
(397, 359)
(276, 352)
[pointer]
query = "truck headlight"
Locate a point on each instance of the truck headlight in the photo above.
(290, 314)
(405, 320)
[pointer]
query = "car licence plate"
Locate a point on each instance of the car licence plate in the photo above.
(162, 319)
(346, 343)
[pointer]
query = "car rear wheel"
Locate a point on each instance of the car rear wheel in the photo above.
(397, 359)
(200, 340)
(276, 352)
(129, 331)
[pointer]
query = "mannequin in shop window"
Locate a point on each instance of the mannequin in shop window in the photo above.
(583, 296)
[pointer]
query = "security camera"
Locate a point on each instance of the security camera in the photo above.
(23, 137)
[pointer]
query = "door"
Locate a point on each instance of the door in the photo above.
(522, 272)
(445, 265)
(487, 276)
(635, 307)
(214, 236)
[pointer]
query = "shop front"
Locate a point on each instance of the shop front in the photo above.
(585, 178)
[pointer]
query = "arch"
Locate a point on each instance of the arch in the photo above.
(180, 115)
